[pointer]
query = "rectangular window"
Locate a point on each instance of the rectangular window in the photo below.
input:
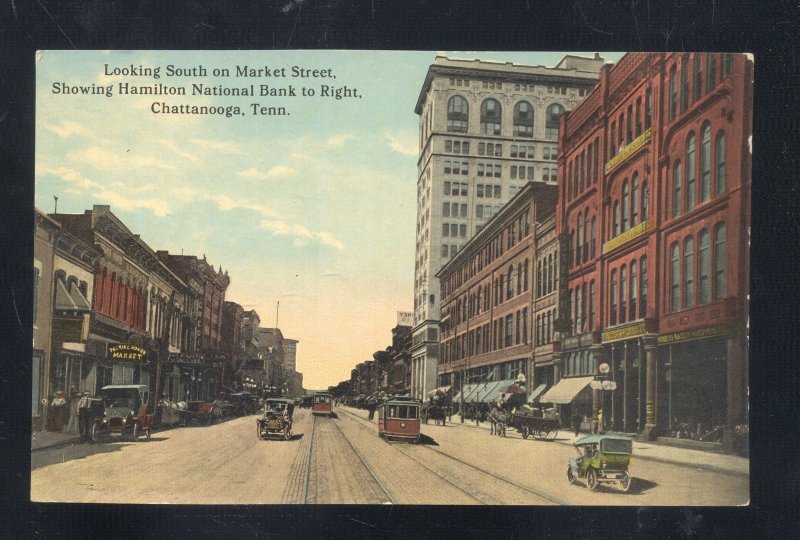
(463, 189)
(513, 172)
(479, 211)
(497, 171)
(464, 167)
(530, 173)
(522, 173)
(447, 167)
(522, 152)
(445, 229)
(698, 78)
(462, 230)
(446, 209)
(447, 188)
(480, 169)
(448, 146)
(453, 250)
(524, 325)
(481, 149)
(509, 329)
(465, 147)
(546, 174)
(456, 167)
(711, 70)
(496, 195)
(454, 230)
(498, 150)
(479, 190)
(546, 152)
(513, 150)
(463, 210)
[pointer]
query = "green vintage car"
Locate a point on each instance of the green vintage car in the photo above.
(603, 458)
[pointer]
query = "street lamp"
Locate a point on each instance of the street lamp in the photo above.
(601, 383)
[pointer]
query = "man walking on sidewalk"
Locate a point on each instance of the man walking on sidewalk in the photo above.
(576, 422)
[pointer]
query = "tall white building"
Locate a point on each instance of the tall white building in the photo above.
(486, 128)
(289, 355)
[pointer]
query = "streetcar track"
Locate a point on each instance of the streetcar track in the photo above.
(528, 489)
(371, 471)
(304, 497)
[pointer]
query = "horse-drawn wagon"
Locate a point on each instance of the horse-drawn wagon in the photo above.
(533, 423)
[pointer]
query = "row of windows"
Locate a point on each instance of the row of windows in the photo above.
(549, 174)
(490, 149)
(491, 117)
(501, 333)
(577, 363)
(508, 237)
(584, 241)
(627, 214)
(456, 146)
(630, 125)
(584, 170)
(454, 229)
(628, 296)
(708, 176)
(544, 327)
(486, 211)
(456, 188)
(448, 209)
(684, 272)
(450, 250)
(456, 167)
(583, 319)
(546, 279)
(490, 169)
(698, 62)
(520, 170)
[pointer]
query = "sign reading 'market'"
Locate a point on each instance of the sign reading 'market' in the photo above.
(126, 352)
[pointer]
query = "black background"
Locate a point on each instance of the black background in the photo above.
(769, 30)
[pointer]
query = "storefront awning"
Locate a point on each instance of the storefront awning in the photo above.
(537, 392)
(566, 390)
(482, 391)
(499, 388)
(71, 298)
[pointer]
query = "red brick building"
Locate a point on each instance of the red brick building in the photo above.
(653, 218)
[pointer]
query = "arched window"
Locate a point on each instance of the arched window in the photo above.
(704, 260)
(585, 234)
(519, 278)
(720, 262)
(635, 199)
(592, 238)
(578, 314)
(645, 196)
(510, 282)
(625, 207)
(615, 230)
(457, 114)
(491, 114)
(623, 288)
(673, 95)
(720, 180)
(539, 278)
(583, 308)
(553, 114)
(551, 272)
(591, 306)
(676, 189)
(523, 119)
(613, 297)
(705, 163)
(643, 287)
(688, 272)
(690, 172)
(675, 277)
(633, 292)
(525, 279)
(578, 239)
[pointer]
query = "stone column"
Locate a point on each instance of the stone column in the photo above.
(736, 363)
(650, 344)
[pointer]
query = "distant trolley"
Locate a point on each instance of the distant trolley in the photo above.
(322, 404)
(398, 418)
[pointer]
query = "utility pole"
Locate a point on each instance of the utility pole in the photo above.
(163, 349)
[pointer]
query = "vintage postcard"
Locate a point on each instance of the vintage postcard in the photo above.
(392, 277)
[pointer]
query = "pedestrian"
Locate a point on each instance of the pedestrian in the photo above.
(371, 407)
(577, 418)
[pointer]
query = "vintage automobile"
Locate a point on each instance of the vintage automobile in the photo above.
(603, 458)
(125, 412)
(306, 402)
(243, 403)
(277, 419)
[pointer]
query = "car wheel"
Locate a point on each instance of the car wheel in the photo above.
(95, 434)
(591, 479)
(570, 476)
(135, 434)
(524, 431)
(625, 484)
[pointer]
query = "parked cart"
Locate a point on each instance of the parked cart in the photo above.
(534, 424)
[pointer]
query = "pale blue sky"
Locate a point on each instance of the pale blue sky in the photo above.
(315, 209)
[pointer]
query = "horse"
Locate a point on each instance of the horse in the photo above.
(498, 419)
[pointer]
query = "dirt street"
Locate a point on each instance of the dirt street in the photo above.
(342, 460)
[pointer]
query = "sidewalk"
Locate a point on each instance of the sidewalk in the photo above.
(700, 459)
(51, 439)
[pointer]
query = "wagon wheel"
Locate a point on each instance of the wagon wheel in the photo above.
(551, 435)
(625, 484)
(524, 432)
(570, 477)
(591, 480)
(540, 435)
(95, 434)
(135, 434)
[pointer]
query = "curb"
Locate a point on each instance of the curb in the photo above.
(701, 466)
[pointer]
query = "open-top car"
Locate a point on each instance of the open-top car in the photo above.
(277, 419)
(603, 458)
(126, 412)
